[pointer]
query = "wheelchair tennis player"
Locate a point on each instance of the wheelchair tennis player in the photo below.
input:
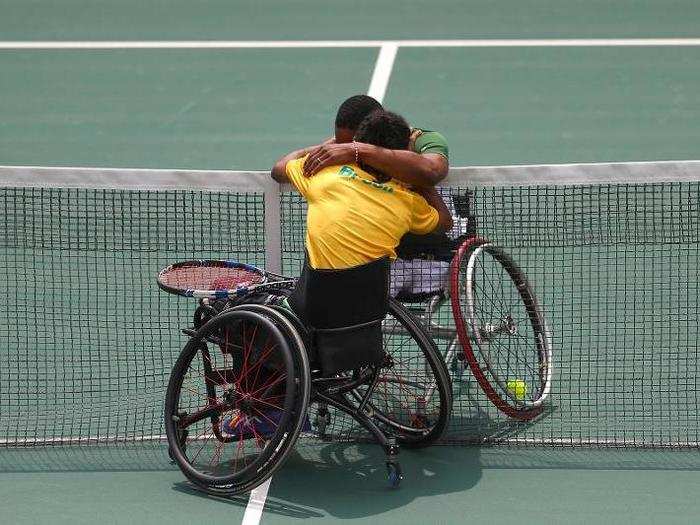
(265, 347)
(356, 217)
(423, 164)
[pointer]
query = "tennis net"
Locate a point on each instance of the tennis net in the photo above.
(87, 341)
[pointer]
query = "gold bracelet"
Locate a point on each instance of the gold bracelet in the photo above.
(357, 152)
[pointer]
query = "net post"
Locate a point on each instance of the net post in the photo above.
(273, 227)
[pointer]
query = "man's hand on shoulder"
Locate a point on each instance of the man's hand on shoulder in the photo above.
(278, 171)
(415, 133)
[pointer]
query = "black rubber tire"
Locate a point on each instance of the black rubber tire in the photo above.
(489, 381)
(281, 442)
(414, 437)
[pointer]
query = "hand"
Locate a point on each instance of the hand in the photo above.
(328, 154)
(415, 133)
(427, 192)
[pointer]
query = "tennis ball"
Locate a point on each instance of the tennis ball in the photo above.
(517, 388)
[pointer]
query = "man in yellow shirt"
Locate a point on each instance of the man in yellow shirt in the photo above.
(423, 164)
(356, 214)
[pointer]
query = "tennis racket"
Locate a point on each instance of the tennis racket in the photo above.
(216, 279)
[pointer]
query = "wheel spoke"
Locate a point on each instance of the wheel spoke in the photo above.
(502, 318)
(228, 398)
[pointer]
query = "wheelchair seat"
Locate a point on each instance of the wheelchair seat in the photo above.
(342, 311)
(429, 247)
(407, 297)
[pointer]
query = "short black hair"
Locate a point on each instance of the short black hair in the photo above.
(384, 129)
(354, 110)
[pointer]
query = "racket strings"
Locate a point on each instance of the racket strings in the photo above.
(209, 278)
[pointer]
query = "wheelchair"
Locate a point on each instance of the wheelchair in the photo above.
(499, 330)
(240, 390)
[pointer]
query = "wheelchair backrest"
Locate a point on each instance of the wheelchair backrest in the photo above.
(343, 310)
(325, 299)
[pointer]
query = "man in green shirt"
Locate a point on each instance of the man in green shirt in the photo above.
(424, 164)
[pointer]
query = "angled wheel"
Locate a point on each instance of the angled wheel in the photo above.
(412, 398)
(236, 400)
(501, 328)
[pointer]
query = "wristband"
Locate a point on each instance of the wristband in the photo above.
(357, 152)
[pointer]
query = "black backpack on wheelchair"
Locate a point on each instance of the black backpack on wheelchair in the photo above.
(343, 313)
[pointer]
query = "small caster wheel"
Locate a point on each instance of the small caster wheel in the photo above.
(202, 314)
(394, 474)
(322, 420)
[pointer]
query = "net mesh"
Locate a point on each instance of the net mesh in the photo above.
(615, 268)
(87, 340)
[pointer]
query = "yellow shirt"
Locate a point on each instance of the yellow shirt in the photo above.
(354, 220)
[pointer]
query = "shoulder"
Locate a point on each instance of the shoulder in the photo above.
(295, 174)
(429, 141)
(295, 165)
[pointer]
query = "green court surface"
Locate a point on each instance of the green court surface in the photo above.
(363, 19)
(222, 109)
(554, 105)
(242, 109)
(345, 483)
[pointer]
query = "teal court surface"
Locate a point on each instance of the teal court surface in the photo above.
(234, 85)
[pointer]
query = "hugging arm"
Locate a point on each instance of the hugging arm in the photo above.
(433, 198)
(279, 170)
(407, 166)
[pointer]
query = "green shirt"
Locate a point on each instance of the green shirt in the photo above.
(430, 142)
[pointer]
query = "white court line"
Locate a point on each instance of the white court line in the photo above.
(377, 89)
(256, 503)
(285, 44)
(382, 71)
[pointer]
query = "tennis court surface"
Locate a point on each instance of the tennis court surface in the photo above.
(120, 128)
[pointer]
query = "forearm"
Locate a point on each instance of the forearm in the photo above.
(406, 166)
(279, 170)
(433, 198)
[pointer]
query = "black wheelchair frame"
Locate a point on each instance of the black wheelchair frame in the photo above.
(351, 393)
